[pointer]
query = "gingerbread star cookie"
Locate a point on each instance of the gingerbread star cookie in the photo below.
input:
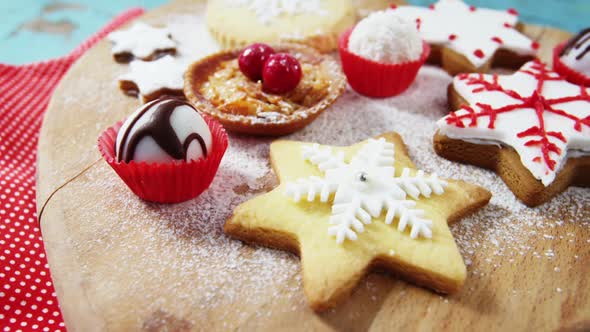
(465, 38)
(150, 80)
(346, 210)
(532, 128)
(143, 42)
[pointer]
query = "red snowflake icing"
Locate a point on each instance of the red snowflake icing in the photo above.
(539, 137)
(497, 40)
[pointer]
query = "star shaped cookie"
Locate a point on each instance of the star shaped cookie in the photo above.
(346, 210)
(466, 38)
(143, 42)
(532, 127)
(150, 80)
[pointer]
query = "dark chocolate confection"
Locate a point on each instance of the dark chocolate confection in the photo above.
(578, 41)
(160, 129)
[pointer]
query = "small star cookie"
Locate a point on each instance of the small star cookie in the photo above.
(143, 42)
(346, 210)
(532, 128)
(466, 38)
(150, 80)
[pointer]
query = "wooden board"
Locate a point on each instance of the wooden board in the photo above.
(120, 264)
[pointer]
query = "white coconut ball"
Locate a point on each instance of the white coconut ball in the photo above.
(386, 38)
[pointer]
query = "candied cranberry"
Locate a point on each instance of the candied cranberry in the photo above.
(281, 73)
(252, 60)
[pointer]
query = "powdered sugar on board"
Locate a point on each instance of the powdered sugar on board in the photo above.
(154, 244)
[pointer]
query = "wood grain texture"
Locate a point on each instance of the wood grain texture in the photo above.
(112, 274)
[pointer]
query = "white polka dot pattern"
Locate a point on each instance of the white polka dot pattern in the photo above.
(27, 298)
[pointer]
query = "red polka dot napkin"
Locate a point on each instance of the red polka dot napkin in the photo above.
(27, 298)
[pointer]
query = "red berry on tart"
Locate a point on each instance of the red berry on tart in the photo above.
(281, 73)
(253, 58)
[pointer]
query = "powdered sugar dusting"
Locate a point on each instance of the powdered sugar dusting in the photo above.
(184, 243)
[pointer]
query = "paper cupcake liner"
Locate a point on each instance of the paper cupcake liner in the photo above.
(173, 182)
(374, 79)
(567, 72)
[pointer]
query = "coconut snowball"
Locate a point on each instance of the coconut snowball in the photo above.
(384, 37)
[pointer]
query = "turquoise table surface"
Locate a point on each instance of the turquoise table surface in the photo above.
(34, 30)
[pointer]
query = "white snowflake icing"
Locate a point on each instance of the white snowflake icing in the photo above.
(364, 187)
(476, 33)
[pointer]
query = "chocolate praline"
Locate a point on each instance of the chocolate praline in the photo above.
(576, 53)
(162, 131)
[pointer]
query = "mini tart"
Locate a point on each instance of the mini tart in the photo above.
(239, 26)
(216, 86)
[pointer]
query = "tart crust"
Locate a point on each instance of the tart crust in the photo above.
(265, 122)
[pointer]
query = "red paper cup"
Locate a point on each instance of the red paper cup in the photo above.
(567, 72)
(173, 182)
(374, 79)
